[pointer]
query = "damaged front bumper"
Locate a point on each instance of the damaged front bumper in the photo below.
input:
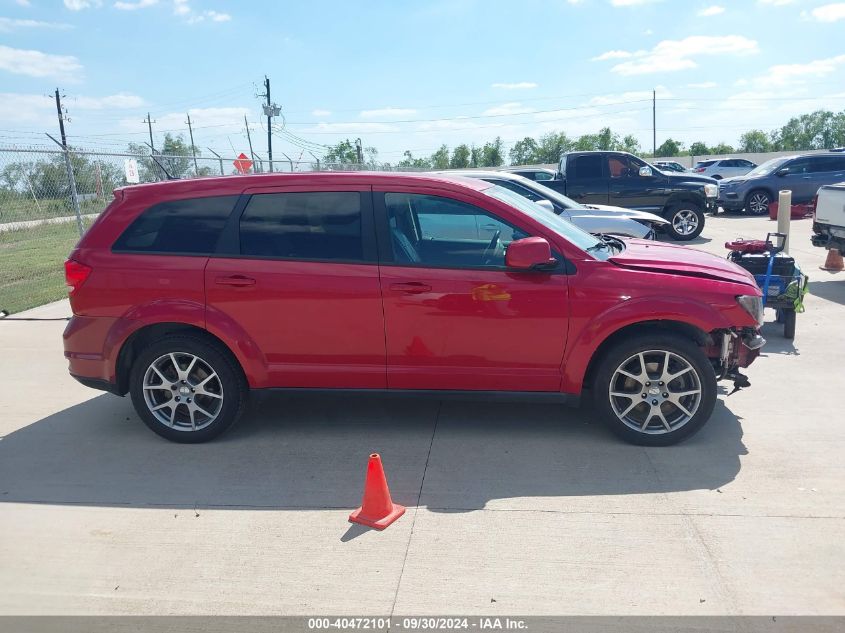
(732, 350)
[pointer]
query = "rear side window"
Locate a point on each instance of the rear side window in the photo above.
(191, 226)
(705, 163)
(826, 163)
(318, 225)
(589, 166)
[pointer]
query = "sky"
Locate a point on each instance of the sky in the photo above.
(405, 75)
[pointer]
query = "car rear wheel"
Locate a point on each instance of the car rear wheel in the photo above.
(186, 389)
(655, 390)
(758, 202)
(686, 221)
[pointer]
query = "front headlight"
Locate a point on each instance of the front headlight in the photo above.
(753, 305)
(711, 191)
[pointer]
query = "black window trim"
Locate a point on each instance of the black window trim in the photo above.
(385, 245)
(229, 246)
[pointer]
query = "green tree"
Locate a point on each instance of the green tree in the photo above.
(630, 144)
(524, 152)
(754, 141)
(587, 143)
(493, 153)
(440, 158)
(722, 148)
(552, 146)
(343, 152)
(476, 157)
(699, 149)
(460, 157)
(668, 148)
(607, 140)
(416, 163)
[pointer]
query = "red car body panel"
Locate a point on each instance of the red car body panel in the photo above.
(311, 324)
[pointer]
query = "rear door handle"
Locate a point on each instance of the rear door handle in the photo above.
(235, 280)
(412, 287)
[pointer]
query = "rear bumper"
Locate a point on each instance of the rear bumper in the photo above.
(85, 343)
(98, 383)
(826, 236)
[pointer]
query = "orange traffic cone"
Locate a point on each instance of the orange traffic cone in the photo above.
(377, 508)
(833, 263)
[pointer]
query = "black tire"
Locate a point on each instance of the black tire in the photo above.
(757, 202)
(653, 345)
(686, 221)
(789, 323)
(716, 177)
(229, 384)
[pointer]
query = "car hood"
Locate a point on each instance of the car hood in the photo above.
(679, 260)
(679, 178)
(628, 213)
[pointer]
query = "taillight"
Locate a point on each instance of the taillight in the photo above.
(699, 170)
(75, 275)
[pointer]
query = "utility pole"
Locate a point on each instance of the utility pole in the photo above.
(193, 149)
(71, 180)
(654, 123)
(270, 110)
(359, 149)
(149, 123)
(249, 140)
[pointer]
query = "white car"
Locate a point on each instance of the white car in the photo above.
(592, 218)
(719, 168)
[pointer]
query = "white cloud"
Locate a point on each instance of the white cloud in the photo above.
(180, 7)
(829, 12)
(775, 3)
(37, 64)
(23, 3)
(506, 109)
(703, 85)
(387, 112)
(351, 128)
(216, 16)
(120, 100)
(627, 97)
(39, 109)
(183, 8)
(789, 74)
(674, 55)
(10, 24)
(319, 112)
(132, 6)
(78, 5)
(612, 55)
(631, 3)
(520, 85)
(224, 119)
(711, 10)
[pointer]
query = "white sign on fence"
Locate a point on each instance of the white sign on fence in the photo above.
(130, 168)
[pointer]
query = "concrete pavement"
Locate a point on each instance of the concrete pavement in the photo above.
(512, 508)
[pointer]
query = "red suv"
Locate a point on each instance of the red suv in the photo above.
(188, 294)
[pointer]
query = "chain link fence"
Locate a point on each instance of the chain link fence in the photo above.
(49, 197)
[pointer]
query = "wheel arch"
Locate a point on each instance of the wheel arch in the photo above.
(146, 334)
(655, 326)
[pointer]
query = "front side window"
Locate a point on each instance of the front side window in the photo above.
(190, 226)
(442, 232)
(543, 175)
(516, 188)
(318, 225)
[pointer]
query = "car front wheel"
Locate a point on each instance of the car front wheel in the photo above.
(186, 389)
(757, 203)
(655, 390)
(686, 221)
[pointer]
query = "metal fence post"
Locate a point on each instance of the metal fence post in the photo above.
(74, 196)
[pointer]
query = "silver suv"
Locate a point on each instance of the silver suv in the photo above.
(719, 168)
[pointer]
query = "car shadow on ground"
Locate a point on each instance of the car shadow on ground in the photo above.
(776, 343)
(295, 452)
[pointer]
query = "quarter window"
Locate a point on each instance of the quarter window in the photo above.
(588, 166)
(190, 226)
(435, 231)
(303, 225)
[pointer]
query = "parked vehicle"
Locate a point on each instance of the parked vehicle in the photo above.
(669, 165)
(621, 179)
(719, 168)
(829, 217)
(803, 174)
(187, 294)
(593, 218)
(533, 173)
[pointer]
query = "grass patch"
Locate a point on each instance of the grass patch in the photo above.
(32, 265)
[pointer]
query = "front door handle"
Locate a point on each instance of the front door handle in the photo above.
(235, 280)
(412, 287)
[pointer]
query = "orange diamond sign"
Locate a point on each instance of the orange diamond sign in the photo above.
(242, 164)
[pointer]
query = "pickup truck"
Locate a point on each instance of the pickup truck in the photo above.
(622, 179)
(829, 217)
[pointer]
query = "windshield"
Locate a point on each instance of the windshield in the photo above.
(767, 168)
(567, 230)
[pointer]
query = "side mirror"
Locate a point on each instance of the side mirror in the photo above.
(645, 171)
(529, 253)
(548, 206)
(782, 172)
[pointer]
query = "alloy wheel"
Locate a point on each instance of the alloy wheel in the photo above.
(758, 203)
(685, 222)
(183, 391)
(655, 392)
